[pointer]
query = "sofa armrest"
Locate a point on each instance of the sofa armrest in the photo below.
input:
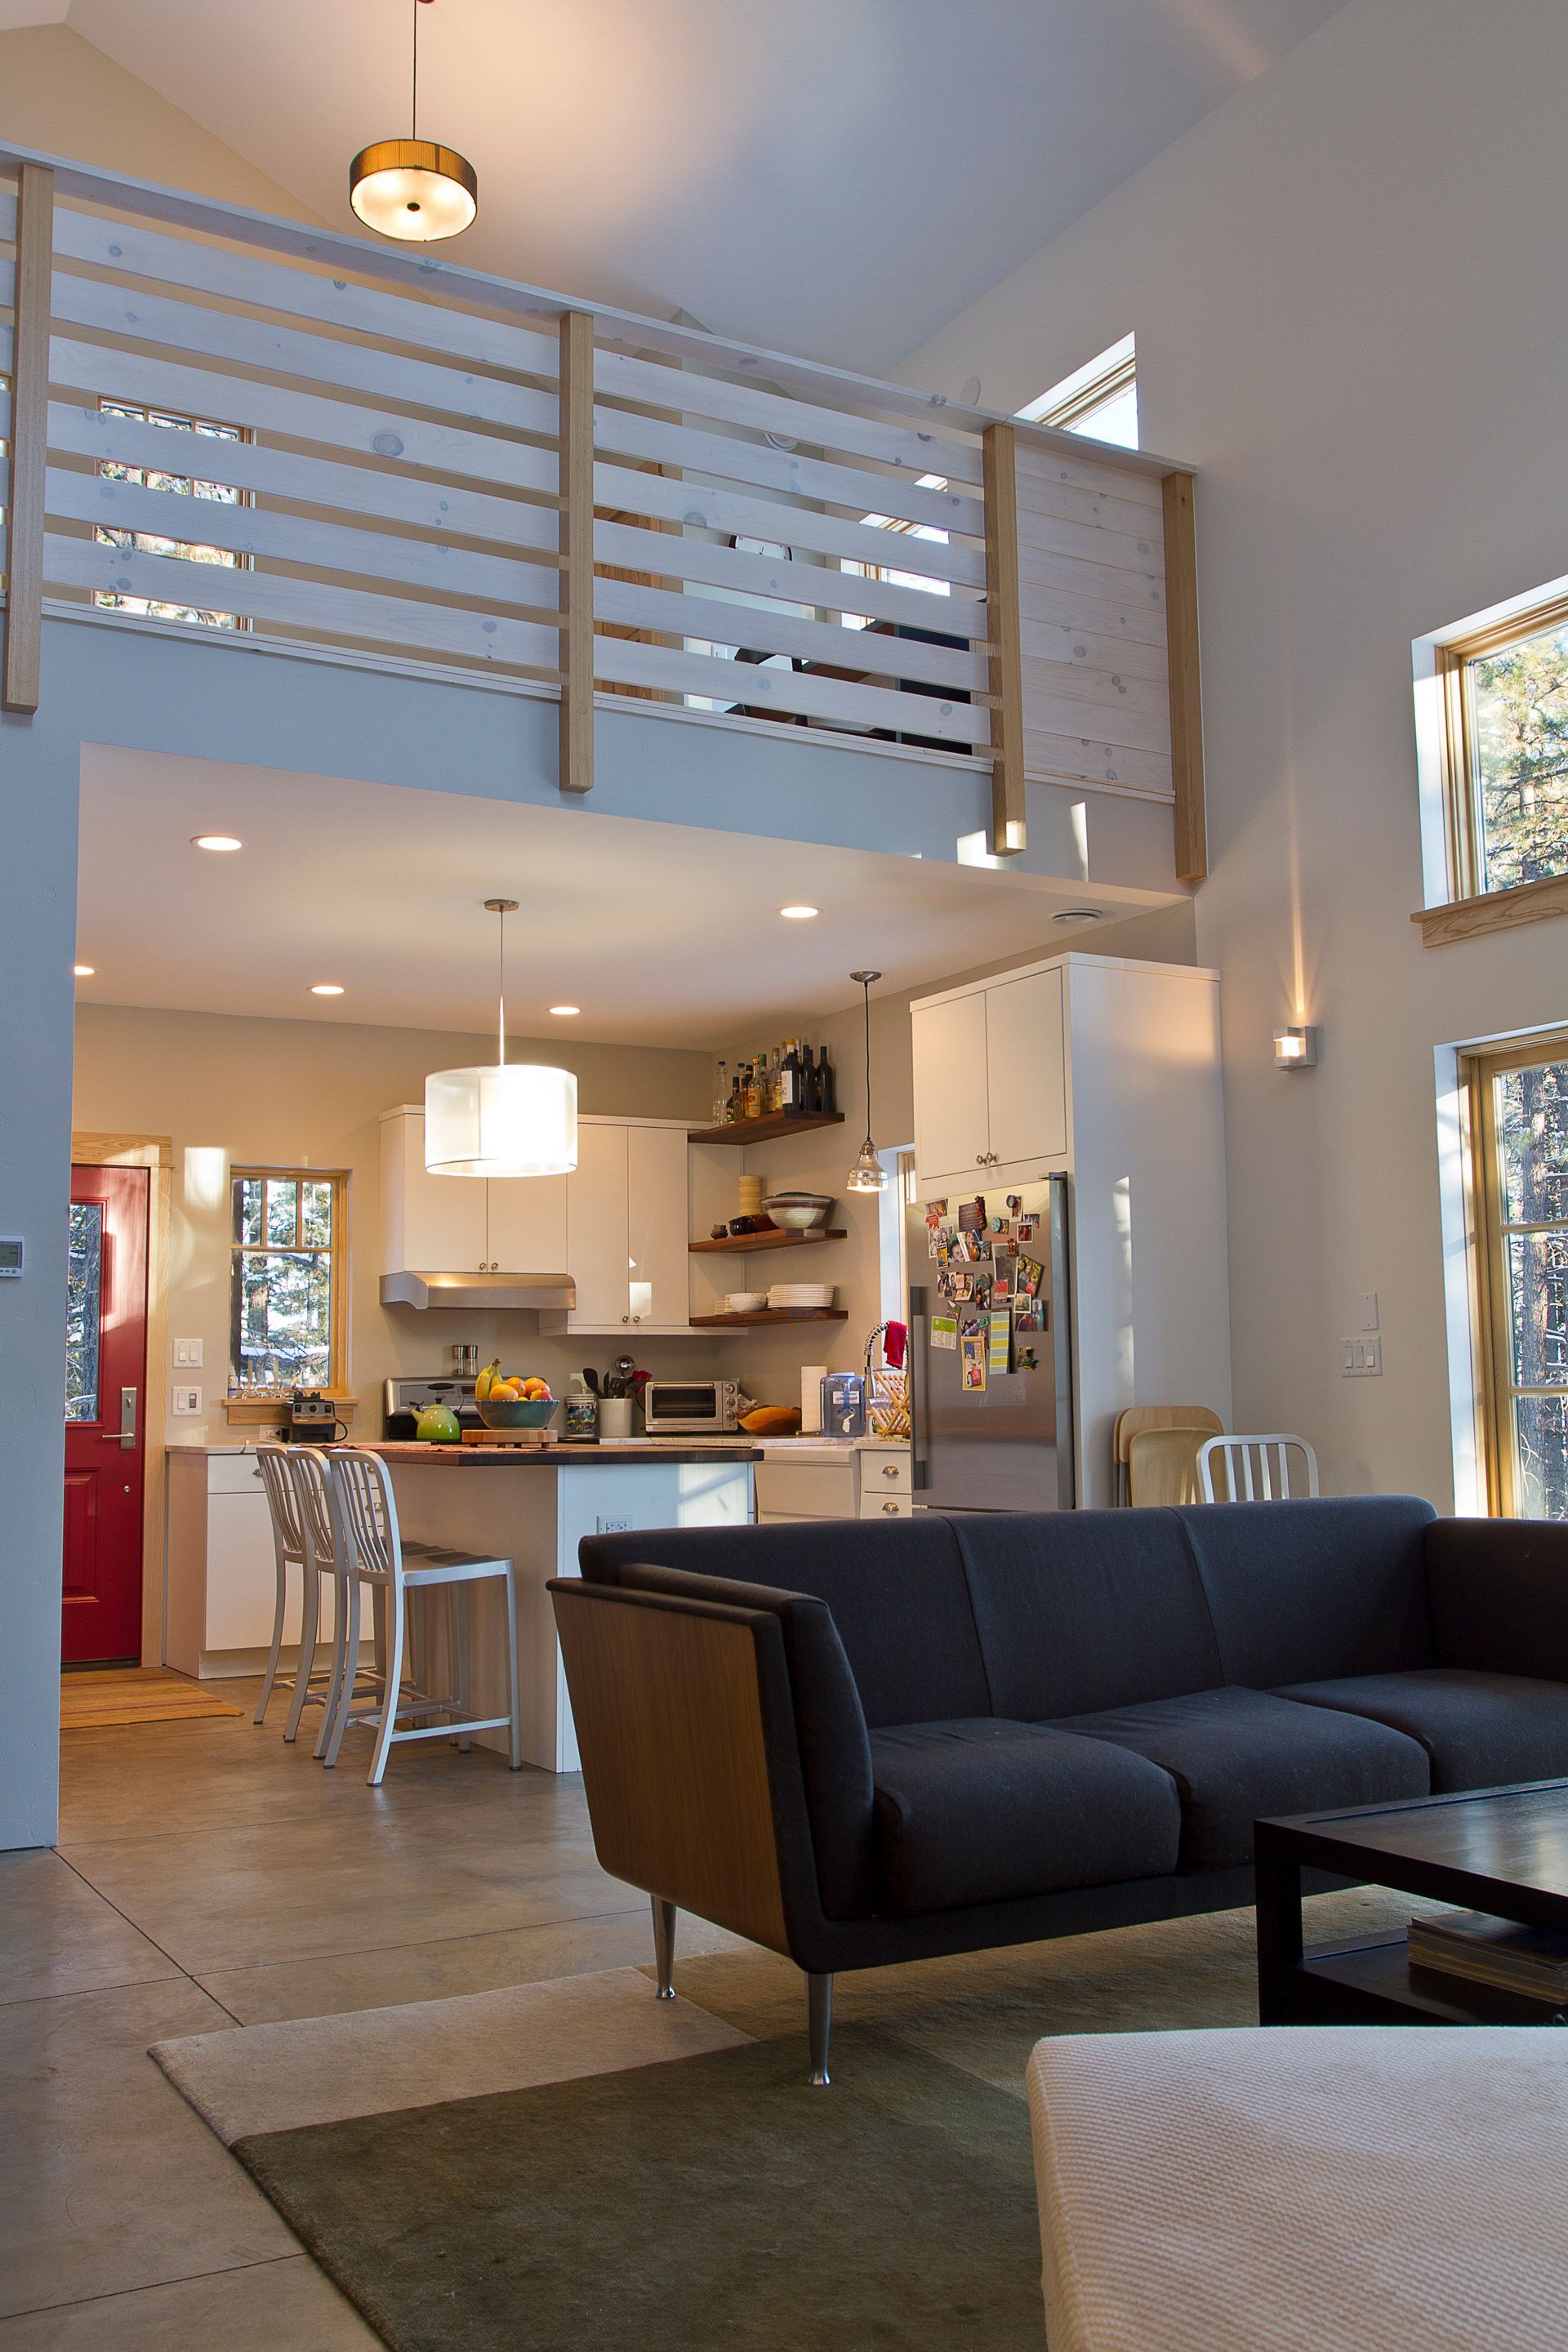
(690, 1759)
(1498, 1595)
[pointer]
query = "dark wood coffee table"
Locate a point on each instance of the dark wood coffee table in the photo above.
(1504, 1851)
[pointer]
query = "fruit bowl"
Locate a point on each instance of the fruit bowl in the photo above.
(515, 1413)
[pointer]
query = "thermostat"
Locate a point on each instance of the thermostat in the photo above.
(11, 1252)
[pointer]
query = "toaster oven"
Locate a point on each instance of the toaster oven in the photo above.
(687, 1408)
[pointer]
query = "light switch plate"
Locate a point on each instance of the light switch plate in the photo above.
(1361, 1360)
(612, 1526)
(1368, 1304)
(185, 1403)
(188, 1352)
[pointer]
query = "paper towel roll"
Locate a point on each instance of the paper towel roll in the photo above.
(811, 1379)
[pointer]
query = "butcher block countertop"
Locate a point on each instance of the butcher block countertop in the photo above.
(556, 1456)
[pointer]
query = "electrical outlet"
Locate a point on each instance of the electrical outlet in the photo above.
(1368, 1304)
(613, 1527)
(1361, 1360)
(188, 1352)
(185, 1403)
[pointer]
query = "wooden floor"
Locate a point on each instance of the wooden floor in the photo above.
(104, 1698)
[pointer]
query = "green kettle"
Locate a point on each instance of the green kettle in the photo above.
(437, 1425)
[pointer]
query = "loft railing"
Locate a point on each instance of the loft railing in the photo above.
(317, 444)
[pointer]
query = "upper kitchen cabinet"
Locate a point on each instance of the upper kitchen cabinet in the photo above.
(990, 1082)
(463, 1224)
(626, 1228)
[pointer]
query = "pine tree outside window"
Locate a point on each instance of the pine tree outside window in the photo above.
(1507, 755)
(1518, 1113)
(288, 1292)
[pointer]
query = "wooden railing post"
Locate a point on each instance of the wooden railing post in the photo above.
(1181, 656)
(29, 437)
(576, 549)
(1008, 829)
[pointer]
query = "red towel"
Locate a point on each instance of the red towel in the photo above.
(895, 1340)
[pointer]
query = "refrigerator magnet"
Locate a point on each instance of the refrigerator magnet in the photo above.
(944, 1332)
(973, 1347)
(1000, 1352)
(971, 1215)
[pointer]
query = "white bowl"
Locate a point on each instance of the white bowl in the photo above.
(745, 1302)
(797, 1216)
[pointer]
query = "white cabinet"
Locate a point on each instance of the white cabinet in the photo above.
(222, 1580)
(525, 1223)
(626, 1228)
(989, 1083)
(460, 1224)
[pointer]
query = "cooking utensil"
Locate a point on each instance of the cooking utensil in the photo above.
(591, 1380)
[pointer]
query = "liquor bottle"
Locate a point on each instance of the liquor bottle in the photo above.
(829, 1084)
(810, 1090)
(722, 1096)
(752, 1097)
(734, 1108)
(790, 1101)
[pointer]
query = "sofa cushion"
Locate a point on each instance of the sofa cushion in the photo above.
(1239, 1756)
(896, 1589)
(1306, 1591)
(1081, 1610)
(1479, 1730)
(1498, 1594)
(987, 1812)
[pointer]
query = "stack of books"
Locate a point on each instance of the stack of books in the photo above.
(1493, 1952)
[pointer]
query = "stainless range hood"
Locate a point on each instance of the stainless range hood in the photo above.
(476, 1291)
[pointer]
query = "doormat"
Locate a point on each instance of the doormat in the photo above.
(105, 1699)
(707, 2201)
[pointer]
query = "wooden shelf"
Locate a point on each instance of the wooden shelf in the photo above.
(744, 1244)
(778, 1123)
(772, 1315)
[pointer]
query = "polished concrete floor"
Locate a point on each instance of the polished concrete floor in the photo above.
(207, 1876)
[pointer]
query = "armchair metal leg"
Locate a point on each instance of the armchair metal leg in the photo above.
(819, 2010)
(664, 1946)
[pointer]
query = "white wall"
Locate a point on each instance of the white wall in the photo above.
(1350, 291)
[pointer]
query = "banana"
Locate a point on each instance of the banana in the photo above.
(486, 1381)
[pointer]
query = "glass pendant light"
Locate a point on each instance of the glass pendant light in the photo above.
(413, 189)
(867, 1175)
(502, 1119)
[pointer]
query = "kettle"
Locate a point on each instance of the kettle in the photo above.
(437, 1425)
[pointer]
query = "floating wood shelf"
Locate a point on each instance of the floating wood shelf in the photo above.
(745, 1244)
(772, 1315)
(764, 1130)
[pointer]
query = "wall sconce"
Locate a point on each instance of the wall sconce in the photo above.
(1295, 1049)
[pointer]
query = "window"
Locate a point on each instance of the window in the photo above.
(287, 1317)
(146, 542)
(891, 571)
(1100, 399)
(1506, 751)
(1519, 1145)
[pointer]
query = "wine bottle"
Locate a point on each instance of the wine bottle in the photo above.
(810, 1092)
(789, 1081)
(734, 1108)
(828, 1085)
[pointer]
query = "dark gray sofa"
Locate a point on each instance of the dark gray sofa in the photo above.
(859, 1742)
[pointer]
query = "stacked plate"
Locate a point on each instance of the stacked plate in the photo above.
(801, 1294)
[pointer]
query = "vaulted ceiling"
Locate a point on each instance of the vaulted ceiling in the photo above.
(833, 177)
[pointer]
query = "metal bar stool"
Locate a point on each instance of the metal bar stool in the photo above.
(370, 1551)
(295, 1480)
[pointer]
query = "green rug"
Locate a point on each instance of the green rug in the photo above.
(716, 2200)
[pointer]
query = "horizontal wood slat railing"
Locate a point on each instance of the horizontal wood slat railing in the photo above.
(332, 445)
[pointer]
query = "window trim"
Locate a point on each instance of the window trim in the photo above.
(337, 1383)
(1458, 906)
(1492, 1336)
(1069, 416)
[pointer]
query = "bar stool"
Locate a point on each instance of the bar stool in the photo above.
(295, 1480)
(370, 1551)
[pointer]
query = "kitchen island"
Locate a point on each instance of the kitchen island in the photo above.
(532, 1503)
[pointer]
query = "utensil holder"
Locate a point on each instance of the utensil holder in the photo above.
(614, 1417)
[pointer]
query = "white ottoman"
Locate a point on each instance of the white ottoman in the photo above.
(1300, 2188)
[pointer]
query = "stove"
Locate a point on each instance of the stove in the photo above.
(405, 1400)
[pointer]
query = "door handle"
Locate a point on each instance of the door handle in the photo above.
(127, 1420)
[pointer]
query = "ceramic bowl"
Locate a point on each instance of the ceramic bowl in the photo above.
(515, 1413)
(745, 1302)
(799, 1211)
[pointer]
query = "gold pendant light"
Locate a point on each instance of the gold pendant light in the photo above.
(413, 189)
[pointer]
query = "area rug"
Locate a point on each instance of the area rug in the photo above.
(111, 1697)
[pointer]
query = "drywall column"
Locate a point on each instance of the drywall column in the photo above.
(39, 771)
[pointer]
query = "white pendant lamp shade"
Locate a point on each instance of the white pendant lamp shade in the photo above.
(502, 1119)
(414, 190)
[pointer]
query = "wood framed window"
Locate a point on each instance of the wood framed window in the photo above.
(183, 485)
(1100, 399)
(1503, 762)
(1519, 1157)
(289, 1283)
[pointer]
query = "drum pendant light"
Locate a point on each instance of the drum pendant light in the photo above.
(501, 1118)
(413, 189)
(867, 1175)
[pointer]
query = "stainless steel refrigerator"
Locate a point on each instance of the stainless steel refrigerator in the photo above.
(1005, 1446)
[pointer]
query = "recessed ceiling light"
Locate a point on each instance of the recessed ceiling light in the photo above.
(221, 841)
(563, 1011)
(799, 914)
(326, 988)
(83, 970)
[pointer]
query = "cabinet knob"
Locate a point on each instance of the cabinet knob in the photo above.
(625, 1319)
(891, 1509)
(890, 1469)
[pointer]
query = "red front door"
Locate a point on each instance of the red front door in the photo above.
(106, 1383)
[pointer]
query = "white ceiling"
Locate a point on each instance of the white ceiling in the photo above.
(662, 935)
(833, 177)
